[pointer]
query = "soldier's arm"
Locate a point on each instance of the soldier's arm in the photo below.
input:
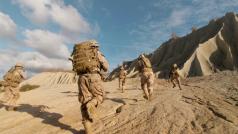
(139, 65)
(103, 61)
(23, 74)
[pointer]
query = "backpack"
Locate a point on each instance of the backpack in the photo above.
(9, 75)
(147, 63)
(11, 79)
(85, 58)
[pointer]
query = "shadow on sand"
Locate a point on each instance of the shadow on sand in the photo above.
(122, 100)
(70, 93)
(38, 111)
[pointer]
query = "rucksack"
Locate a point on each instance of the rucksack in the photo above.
(9, 75)
(147, 62)
(85, 58)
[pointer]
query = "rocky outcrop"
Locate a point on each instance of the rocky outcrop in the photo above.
(207, 50)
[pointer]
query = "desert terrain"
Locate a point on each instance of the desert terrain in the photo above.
(207, 104)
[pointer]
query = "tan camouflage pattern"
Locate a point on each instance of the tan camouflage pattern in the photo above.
(12, 89)
(175, 77)
(91, 93)
(122, 79)
(147, 78)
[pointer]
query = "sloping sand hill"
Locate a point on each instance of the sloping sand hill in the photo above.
(52, 78)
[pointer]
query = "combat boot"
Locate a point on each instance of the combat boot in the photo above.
(146, 97)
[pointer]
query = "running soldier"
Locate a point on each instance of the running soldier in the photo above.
(174, 76)
(122, 78)
(88, 62)
(147, 76)
(12, 80)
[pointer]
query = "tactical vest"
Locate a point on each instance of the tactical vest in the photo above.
(85, 58)
(174, 73)
(122, 74)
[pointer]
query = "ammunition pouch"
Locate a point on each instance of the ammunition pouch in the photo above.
(147, 70)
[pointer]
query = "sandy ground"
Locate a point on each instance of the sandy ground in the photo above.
(205, 105)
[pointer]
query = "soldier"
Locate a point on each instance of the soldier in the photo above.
(12, 79)
(175, 76)
(91, 92)
(122, 78)
(147, 76)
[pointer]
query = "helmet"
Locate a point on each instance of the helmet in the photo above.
(175, 66)
(94, 43)
(141, 56)
(19, 65)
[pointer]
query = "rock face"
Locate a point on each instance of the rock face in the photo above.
(52, 78)
(207, 50)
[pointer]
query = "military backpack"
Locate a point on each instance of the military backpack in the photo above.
(11, 79)
(147, 62)
(85, 57)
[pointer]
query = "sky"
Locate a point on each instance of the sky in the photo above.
(41, 33)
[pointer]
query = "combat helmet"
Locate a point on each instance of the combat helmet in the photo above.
(94, 43)
(141, 56)
(19, 65)
(175, 66)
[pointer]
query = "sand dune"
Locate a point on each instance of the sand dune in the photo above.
(52, 78)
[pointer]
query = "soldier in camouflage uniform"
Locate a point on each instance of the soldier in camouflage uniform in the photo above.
(91, 92)
(122, 78)
(12, 79)
(147, 76)
(175, 76)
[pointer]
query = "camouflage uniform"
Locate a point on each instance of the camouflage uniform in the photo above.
(91, 92)
(122, 78)
(174, 76)
(12, 88)
(147, 77)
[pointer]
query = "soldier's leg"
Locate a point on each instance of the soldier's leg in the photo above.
(123, 85)
(119, 84)
(88, 127)
(9, 106)
(172, 80)
(97, 89)
(7, 94)
(85, 120)
(179, 83)
(84, 95)
(150, 84)
(91, 109)
(143, 86)
(14, 98)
